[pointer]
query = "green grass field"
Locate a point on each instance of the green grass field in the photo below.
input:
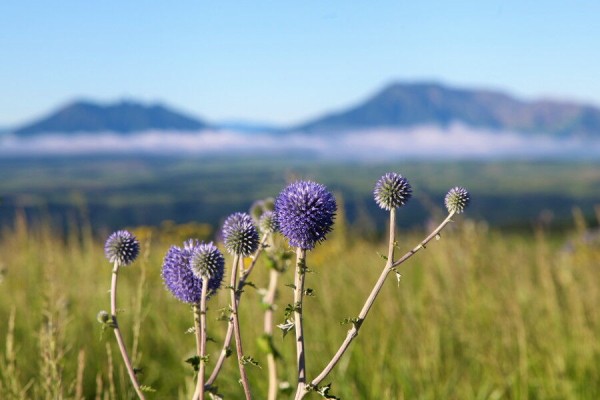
(118, 191)
(479, 314)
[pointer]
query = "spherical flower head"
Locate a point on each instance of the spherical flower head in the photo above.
(268, 222)
(457, 199)
(121, 247)
(240, 234)
(392, 190)
(207, 262)
(259, 207)
(305, 211)
(179, 278)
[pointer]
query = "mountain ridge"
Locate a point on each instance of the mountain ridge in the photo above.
(404, 105)
(400, 105)
(124, 116)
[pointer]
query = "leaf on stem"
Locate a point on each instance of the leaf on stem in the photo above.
(147, 389)
(354, 321)
(286, 327)
(194, 362)
(249, 360)
(323, 391)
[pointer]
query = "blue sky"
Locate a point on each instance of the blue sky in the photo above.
(283, 61)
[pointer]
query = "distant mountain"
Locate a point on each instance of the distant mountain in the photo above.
(247, 126)
(404, 105)
(122, 117)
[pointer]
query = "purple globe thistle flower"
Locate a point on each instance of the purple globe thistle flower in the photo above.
(122, 247)
(268, 222)
(305, 211)
(207, 262)
(179, 278)
(457, 199)
(391, 191)
(240, 234)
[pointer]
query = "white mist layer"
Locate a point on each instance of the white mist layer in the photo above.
(425, 141)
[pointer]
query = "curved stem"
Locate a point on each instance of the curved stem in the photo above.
(200, 328)
(236, 326)
(389, 266)
(298, 296)
(118, 336)
(227, 341)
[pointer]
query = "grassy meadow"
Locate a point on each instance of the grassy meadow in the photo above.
(479, 314)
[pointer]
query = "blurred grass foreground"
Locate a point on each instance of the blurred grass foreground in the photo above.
(480, 314)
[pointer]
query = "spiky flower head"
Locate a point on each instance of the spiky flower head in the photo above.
(179, 278)
(240, 234)
(391, 191)
(457, 199)
(259, 207)
(268, 222)
(122, 248)
(305, 211)
(207, 261)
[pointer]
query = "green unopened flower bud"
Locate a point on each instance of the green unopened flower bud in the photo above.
(103, 317)
(457, 199)
(392, 190)
(207, 261)
(268, 222)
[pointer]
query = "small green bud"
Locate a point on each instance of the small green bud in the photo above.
(457, 199)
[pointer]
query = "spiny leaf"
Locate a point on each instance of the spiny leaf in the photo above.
(286, 327)
(147, 389)
(249, 360)
(356, 322)
(323, 391)
(194, 362)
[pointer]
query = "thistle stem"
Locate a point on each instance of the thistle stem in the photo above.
(269, 301)
(389, 266)
(229, 334)
(236, 326)
(298, 296)
(118, 336)
(200, 329)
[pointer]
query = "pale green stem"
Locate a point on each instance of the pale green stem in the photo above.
(298, 297)
(227, 341)
(200, 328)
(269, 301)
(236, 326)
(119, 337)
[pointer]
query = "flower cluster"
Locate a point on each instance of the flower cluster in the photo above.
(305, 211)
(392, 191)
(179, 277)
(240, 234)
(122, 248)
(457, 199)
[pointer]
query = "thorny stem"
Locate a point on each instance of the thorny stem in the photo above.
(227, 341)
(200, 328)
(119, 337)
(269, 301)
(236, 326)
(298, 296)
(389, 266)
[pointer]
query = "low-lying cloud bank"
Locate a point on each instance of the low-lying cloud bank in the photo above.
(456, 141)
